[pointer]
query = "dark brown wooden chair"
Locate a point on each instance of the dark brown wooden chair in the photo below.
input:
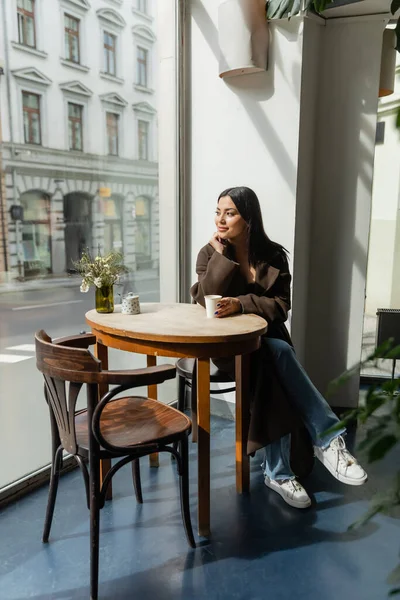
(125, 428)
(187, 377)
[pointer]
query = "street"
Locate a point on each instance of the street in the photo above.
(60, 311)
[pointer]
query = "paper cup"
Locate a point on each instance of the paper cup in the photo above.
(211, 305)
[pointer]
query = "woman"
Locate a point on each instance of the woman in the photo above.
(251, 273)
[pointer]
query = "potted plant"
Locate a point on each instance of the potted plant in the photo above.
(380, 412)
(102, 272)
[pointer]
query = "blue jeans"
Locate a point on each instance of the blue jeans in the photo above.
(312, 407)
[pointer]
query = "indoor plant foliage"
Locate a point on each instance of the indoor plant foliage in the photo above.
(102, 272)
(381, 413)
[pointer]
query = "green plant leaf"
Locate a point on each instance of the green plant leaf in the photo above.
(394, 576)
(398, 119)
(394, 592)
(382, 447)
(394, 7)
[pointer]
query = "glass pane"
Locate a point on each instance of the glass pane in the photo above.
(31, 101)
(78, 136)
(30, 31)
(26, 128)
(72, 201)
(74, 49)
(35, 128)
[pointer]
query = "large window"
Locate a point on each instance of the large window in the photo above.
(143, 140)
(32, 127)
(71, 34)
(79, 172)
(75, 126)
(142, 66)
(110, 53)
(26, 22)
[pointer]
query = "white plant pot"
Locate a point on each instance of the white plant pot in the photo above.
(243, 37)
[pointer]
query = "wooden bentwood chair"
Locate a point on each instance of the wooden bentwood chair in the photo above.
(125, 428)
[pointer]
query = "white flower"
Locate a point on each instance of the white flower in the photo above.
(84, 286)
(98, 282)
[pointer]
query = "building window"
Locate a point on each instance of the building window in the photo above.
(36, 233)
(112, 208)
(142, 66)
(143, 232)
(26, 22)
(143, 140)
(112, 133)
(142, 6)
(31, 108)
(380, 133)
(110, 50)
(71, 34)
(75, 126)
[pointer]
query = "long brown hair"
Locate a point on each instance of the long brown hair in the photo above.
(261, 247)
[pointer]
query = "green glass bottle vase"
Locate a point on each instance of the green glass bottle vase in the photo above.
(105, 299)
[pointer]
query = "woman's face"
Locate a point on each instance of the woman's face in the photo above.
(230, 224)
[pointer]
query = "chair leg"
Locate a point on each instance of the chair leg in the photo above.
(181, 401)
(136, 480)
(54, 478)
(184, 489)
(194, 404)
(181, 393)
(94, 528)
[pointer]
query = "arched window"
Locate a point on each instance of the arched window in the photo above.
(113, 224)
(143, 232)
(36, 233)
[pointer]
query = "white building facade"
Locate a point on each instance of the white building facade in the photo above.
(79, 126)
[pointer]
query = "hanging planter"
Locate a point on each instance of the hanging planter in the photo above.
(243, 37)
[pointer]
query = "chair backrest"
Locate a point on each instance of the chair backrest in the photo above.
(65, 369)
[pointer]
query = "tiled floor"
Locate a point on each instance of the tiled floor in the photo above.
(260, 548)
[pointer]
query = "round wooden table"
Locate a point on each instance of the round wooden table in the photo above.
(183, 330)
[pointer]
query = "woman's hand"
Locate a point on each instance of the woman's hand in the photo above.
(228, 306)
(217, 244)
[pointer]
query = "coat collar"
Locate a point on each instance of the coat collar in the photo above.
(266, 275)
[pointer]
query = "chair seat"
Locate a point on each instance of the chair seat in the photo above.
(135, 420)
(185, 366)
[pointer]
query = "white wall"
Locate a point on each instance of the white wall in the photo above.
(242, 131)
(341, 204)
(302, 135)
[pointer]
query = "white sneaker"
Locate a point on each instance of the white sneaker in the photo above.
(291, 491)
(340, 463)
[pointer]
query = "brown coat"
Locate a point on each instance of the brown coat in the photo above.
(272, 415)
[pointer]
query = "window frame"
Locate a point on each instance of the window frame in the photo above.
(145, 62)
(24, 14)
(31, 111)
(71, 34)
(117, 117)
(76, 120)
(141, 121)
(115, 53)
